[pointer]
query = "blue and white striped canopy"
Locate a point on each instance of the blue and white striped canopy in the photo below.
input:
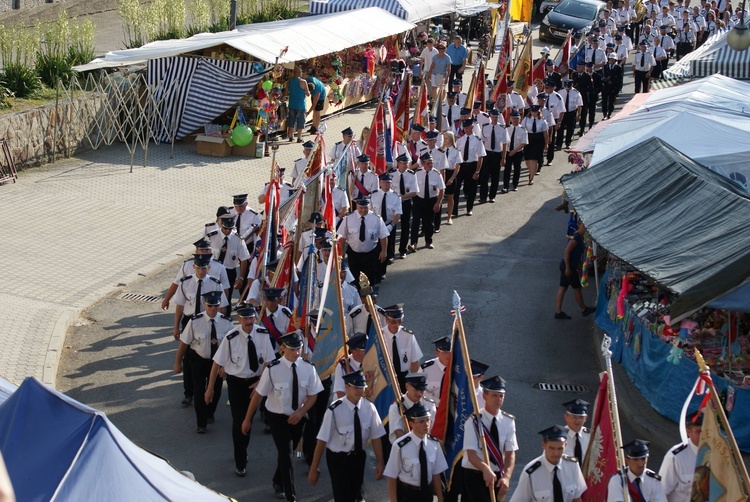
(714, 56)
(330, 6)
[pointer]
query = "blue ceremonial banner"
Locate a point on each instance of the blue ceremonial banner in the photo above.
(329, 341)
(379, 389)
(458, 406)
(304, 284)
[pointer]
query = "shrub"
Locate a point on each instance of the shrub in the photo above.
(21, 80)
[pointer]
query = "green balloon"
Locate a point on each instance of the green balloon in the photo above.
(242, 135)
(267, 85)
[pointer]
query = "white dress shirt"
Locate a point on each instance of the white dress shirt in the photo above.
(506, 428)
(403, 463)
(337, 428)
(276, 384)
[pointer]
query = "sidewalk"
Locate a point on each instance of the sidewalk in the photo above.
(102, 227)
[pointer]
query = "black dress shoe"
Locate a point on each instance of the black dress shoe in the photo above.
(188, 401)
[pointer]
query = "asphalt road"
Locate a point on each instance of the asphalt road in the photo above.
(503, 263)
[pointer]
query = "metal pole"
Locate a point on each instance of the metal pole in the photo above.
(615, 414)
(232, 15)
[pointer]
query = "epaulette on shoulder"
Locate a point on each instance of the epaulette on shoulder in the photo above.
(224, 316)
(407, 330)
(334, 404)
(679, 449)
(309, 362)
(274, 363)
(652, 474)
(342, 362)
(508, 415)
(186, 278)
(286, 311)
(585, 429)
(251, 210)
(410, 171)
(261, 330)
(427, 364)
(212, 224)
(530, 470)
(217, 281)
(232, 334)
(392, 170)
(403, 442)
(433, 438)
(355, 311)
(417, 169)
(570, 458)
(299, 159)
(198, 316)
(380, 309)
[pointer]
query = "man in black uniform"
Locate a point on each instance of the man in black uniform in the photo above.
(593, 97)
(584, 82)
(612, 82)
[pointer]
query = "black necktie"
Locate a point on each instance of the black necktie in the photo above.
(492, 138)
(295, 388)
(567, 101)
(395, 355)
(512, 138)
(401, 185)
(357, 431)
(494, 432)
(450, 115)
(533, 126)
(466, 149)
(423, 481)
(638, 487)
(383, 214)
(643, 59)
(362, 229)
(237, 225)
(214, 342)
(557, 487)
(198, 298)
(252, 354)
(577, 450)
(223, 253)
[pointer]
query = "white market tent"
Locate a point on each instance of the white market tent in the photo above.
(410, 10)
(708, 120)
(714, 56)
(305, 38)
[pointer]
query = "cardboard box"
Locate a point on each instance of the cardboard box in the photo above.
(214, 146)
(247, 150)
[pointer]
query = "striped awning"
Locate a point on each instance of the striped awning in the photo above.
(714, 56)
(330, 6)
(410, 10)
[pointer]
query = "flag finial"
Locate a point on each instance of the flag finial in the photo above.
(702, 367)
(364, 285)
(456, 300)
(606, 342)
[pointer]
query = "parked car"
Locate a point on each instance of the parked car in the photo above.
(573, 15)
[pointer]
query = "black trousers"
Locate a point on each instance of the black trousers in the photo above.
(455, 73)
(405, 225)
(474, 488)
(364, 262)
(347, 471)
(422, 213)
(608, 102)
(466, 178)
(409, 493)
(232, 276)
(489, 176)
(239, 399)
(187, 364)
(567, 127)
(201, 369)
(285, 437)
(457, 484)
(591, 108)
(641, 81)
(512, 162)
(553, 132)
(314, 419)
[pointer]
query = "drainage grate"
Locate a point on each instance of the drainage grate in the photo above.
(136, 297)
(561, 387)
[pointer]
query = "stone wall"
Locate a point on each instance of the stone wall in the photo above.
(31, 133)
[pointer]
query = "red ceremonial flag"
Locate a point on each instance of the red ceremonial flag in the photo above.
(538, 71)
(422, 106)
(401, 120)
(601, 459)
(329, 214)
(561, 61)
(317, 162)
(375, 147)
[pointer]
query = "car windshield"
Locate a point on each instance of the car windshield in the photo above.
(576, 9)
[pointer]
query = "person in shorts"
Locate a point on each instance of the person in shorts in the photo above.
(298, 94)
(317, 98)
(570, 273)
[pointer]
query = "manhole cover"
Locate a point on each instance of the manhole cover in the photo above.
(137, 297)
(561, 387)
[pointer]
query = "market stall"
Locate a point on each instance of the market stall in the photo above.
(713, 56)
(253, 63)
(676, 233)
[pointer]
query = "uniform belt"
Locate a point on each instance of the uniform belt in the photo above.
(346, 453)
(408, 487)
(242, 381)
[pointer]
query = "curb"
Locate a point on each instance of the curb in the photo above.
(56, 343)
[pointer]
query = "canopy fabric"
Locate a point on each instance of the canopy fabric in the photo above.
(304, 38)
(676, 221)
(716, 92)
(714, 56)
(585, 142)
(6, 389)
(81, 454)
(410, 10)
